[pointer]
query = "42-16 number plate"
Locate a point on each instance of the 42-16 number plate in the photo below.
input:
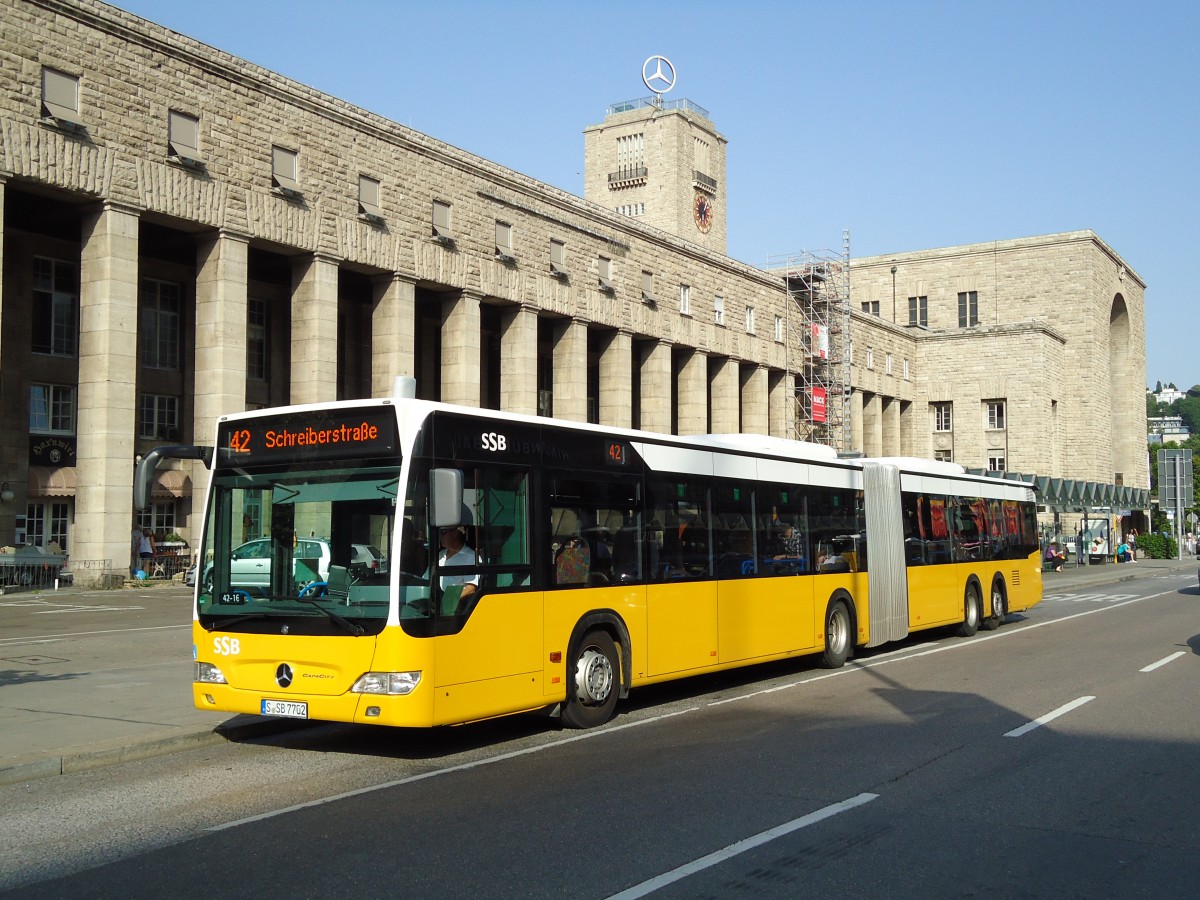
(289, 709)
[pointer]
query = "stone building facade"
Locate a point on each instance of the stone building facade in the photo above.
(1026, 355)
(185, 234)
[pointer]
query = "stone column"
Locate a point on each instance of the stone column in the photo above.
(890, 427)
(314, 329)
(221, 299)
(108, 358)
(692, 416)
(518, 360)
(616, 386)
(873, 425)
(726, 397)
(656, 387)
(857, 429)
(460, 349)
(393, 333)
(756, 418)
(907, 423)
(570, 370)
(12, 409)
(782, 404)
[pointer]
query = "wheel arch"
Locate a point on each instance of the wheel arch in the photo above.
(610, 621)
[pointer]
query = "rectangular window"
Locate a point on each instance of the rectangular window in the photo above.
(159, 329)
(285, 170)
(995, 415)
(504, 244)
(943, 455)
(906, 370)
(779, 328)
(685, 300)
(52, 408)
(942, 419)
(257, 354)
(749, 320)
(60, 98)
(871, 307)
(870, 358)
(55, 307)
(719, 310)
(968, 309)
(441, 221)
(887, 364)
(159, 418)
(648, 288)
(158, 518)
(918, 311)
(604, 270)
(995, 461)
(558, 258)
(701, 149)
(368, 198)
(183, 138)
(631, 155)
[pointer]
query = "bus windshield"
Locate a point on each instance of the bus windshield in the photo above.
(311, 544)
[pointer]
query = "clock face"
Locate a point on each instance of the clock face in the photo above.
(702, 209)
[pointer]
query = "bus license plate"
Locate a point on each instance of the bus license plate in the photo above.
(289, 709)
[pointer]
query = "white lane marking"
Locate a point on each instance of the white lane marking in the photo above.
(1093, 598)
(1163, 661)
(461, 767)
(34, 639)
(1048, 717)
(705, 862)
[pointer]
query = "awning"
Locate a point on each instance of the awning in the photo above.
(171, 483)
(51, 481)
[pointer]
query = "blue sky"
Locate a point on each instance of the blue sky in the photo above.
(913, 125)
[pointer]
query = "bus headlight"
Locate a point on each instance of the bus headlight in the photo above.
(387, 683)
(209, 674)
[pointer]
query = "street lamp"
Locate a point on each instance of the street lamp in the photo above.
(895, 321)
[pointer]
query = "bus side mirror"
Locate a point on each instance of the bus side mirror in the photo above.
(445, 497)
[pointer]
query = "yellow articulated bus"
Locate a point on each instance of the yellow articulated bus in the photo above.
(404, 562)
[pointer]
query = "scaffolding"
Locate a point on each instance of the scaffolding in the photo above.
(817, 320)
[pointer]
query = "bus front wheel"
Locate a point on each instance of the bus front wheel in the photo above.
(592, 690)
(972, 613)
(837, 635)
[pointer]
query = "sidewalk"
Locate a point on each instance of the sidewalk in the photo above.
(57, 724)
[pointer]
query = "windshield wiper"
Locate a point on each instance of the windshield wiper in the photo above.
(350, 627)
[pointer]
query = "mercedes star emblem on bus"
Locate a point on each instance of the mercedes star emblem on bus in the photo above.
(283, 675)
(662, 78)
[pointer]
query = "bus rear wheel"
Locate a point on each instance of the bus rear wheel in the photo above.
(999, 608)
(972, 612)
(592, 691)
(837, 635)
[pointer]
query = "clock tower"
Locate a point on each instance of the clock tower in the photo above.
(661, 162)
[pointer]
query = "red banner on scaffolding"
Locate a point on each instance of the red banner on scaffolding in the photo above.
(818, 404)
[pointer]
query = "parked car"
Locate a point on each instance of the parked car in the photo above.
(189, 574)
(368, 556)
(250, 564)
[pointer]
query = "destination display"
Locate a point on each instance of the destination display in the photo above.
(303, 437)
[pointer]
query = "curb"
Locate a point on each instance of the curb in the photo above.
(85, 759)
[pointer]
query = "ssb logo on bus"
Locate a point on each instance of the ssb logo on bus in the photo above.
(227, 646)
(494, 442)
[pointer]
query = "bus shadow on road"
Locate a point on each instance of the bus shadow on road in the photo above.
(417, 744)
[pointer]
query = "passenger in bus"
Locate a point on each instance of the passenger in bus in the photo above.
(787, 542)
(455, 552)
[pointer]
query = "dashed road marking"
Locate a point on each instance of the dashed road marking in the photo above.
(1089, 598)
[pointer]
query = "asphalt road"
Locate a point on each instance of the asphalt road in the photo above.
(1053, 758)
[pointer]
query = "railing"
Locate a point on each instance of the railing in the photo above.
(631, 173)
(704, 180)
(20, 574)
(657, 103)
